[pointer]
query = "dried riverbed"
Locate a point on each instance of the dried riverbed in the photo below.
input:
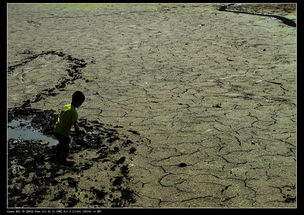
(187, 106)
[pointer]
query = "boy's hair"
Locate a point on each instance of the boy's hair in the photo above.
(78, 96)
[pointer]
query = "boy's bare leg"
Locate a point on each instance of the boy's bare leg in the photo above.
(62, 149)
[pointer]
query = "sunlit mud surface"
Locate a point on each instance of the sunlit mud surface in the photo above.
(186, 105)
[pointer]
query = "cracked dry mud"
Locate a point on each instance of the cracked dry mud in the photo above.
(193, 107)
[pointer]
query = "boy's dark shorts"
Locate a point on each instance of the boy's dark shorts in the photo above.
(62, 149)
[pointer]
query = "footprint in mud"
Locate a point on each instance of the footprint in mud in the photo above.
(117, 163)
(71, 181)
(132, 150)
(86, 166)
(128, 195)
(72, 201)
(127, 143)
(124, 170)
(100, 194)
(117, 181)
(59, 195)
(121, 160)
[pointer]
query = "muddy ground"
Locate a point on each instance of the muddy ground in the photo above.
(186, 105)
(95, 174)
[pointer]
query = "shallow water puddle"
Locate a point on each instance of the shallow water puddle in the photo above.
(22, 129)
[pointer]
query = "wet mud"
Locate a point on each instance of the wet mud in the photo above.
(186, 105)
(36, 179)
(239, 9)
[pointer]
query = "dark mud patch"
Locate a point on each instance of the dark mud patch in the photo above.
(231, 8)
(41, 120)
(34, 178)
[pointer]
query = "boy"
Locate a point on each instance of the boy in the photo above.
(66, 119)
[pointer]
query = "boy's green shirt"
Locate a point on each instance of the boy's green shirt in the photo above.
(66, 119)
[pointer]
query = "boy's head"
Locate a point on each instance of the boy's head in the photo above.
(78, 98)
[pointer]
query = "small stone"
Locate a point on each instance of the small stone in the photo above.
(217, 105)
(121, 160)
(182, 165)
(132, 150)
(44, 142)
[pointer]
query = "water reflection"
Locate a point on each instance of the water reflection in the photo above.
(22, 129)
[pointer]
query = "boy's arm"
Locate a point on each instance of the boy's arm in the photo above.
(76, 126)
